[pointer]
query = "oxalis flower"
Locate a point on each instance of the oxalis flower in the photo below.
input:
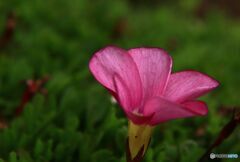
(141, 81)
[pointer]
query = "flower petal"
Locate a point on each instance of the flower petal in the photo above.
(137, 119)
(154, 66)
(124, 99)
(188, 85)
(165, 110)
(112, 61)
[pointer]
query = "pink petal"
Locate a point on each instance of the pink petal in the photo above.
(124, 99)
(122, 93)
(188, 85)
(139, 119)
(165, 110)
(111, 62)
(154, 66)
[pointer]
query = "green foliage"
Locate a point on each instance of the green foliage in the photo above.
(76, 120)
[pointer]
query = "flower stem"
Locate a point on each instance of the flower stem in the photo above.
(139, 137)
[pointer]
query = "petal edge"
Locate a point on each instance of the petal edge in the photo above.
(188, 85)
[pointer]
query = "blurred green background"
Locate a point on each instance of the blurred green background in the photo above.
(76, 120)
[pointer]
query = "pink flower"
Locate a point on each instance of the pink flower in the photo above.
(141, 81)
